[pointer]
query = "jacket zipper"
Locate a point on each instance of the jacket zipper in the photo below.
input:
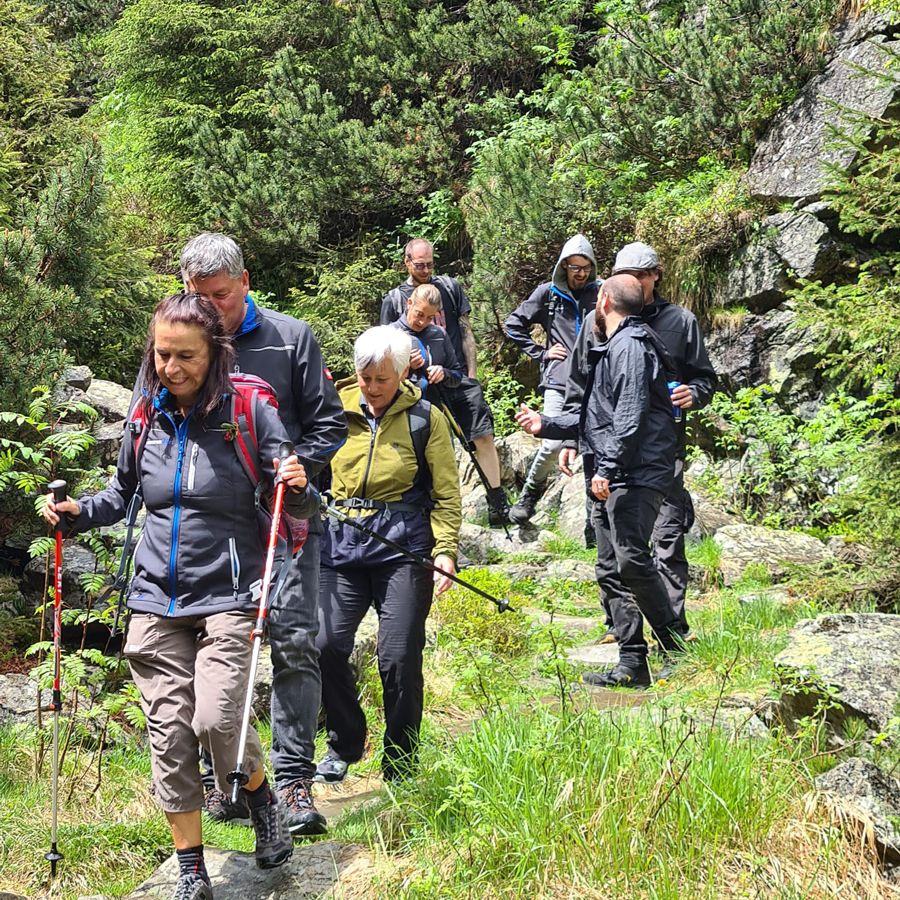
(369, 460)
(235, 566)
(195, 451)
(181, 431)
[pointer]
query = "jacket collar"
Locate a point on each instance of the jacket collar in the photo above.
(251, 318)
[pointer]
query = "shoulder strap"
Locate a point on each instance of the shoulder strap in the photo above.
(662, 352)
(419, 415)
(396, 297)
(445, 284)
(248, 391)
(137, 429)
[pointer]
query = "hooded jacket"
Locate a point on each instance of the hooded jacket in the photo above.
(380, 464)
(625, 421)
(559, 310)
(679, 332)
(201, 550)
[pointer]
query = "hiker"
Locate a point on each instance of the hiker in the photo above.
(284, 352)
(626, 422)
(471, 411)
(559, 306)
(696, 383)
(433, 364)
(195, 568)
(398, 474)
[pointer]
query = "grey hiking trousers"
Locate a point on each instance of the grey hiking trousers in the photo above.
(192, 673)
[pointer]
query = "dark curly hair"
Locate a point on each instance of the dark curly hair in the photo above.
(188, 308)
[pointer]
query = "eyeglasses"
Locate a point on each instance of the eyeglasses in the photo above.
(573, 268)
(422, 266)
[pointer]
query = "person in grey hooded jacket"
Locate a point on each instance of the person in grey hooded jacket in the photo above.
(196, 571)
(559, 306)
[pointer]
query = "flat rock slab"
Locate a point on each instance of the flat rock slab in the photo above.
(851, 658)
(577, 626)
(743, 545)
(597, 655)
(872, 800)
(315, 870)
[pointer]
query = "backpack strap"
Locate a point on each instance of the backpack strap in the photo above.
(397, 301)
(243, 409)
(419, 416)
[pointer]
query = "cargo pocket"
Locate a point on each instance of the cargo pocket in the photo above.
(141, 642)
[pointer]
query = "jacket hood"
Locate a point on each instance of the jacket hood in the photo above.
(350, 395)
(578, 245)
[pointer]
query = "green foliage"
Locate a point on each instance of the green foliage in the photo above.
(793, 471)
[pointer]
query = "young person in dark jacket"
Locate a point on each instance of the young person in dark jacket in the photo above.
(284, 352)
(433, 365)
(474, 414)
(679, 331)
(628, 435)
(559, 306)
(195, 569)
(405, 488)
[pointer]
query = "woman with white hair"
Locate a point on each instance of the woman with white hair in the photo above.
(397, 473)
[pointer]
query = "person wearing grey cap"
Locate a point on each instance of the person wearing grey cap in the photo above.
(559, 306)
(696, 382)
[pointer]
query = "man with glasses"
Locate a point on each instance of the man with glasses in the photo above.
(559, 306)
(696, 382)
(469, 407)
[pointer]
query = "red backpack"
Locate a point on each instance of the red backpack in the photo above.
(248, 391)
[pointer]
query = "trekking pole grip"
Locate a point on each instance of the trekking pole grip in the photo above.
(59, 489)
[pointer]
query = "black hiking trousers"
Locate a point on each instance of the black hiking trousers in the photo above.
(627, 574)
(401, 594)
(674, 521)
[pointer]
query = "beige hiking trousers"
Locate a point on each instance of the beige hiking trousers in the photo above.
(192, 673)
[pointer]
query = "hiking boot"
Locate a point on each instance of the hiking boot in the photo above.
(219, 808)
(192, 886)
(620, 676)
(273, 840)
(300, 811)
(525, 506)
(498, 507)
(331, 770)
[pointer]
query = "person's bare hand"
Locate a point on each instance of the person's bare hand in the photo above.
(557, 351)
(682, 397)
(528, 420)
(292, 473)
(415, 359)
(435, 374)
(566, 460)
(600, 487)
(52, 511)
(442, 582)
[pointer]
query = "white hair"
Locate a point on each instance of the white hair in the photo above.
(208, 254)
(380, 343)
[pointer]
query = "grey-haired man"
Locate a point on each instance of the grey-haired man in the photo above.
(284, 352)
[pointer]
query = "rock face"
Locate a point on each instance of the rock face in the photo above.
(789, 162)
(77, 560)
(853, 659)
(789, 242)
(741, 545)
(871, 798)
(18, 699)
(111, 400)
(315, 870)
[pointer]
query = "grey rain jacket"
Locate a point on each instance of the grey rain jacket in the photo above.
(436, 349)
(625, 420)
(558, 310)
(283, 351)
(679, 332)
(201, 549)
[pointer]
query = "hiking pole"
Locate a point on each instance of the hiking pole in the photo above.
(502, 605)
(238, 778)
(469, 447)
(60, 492)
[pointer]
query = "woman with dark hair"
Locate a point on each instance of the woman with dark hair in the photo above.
(196, 570)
